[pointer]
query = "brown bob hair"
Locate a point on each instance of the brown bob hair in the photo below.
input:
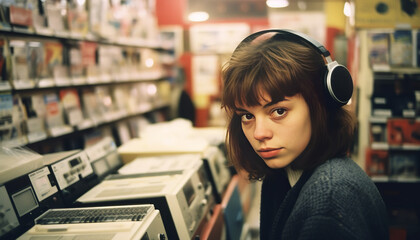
(282, 68)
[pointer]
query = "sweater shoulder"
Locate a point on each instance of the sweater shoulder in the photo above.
(341, 191)
(340, 171)
(336, 183)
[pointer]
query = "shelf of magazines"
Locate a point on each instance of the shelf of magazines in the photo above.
(126, 23)
(397, 165)
(386, 162)
(393, 154)
(17, 137)
(68, 36)
(33, 84)
(395, 132)
(32, 118)
(30, 64)
(401, 179)
(386, 146)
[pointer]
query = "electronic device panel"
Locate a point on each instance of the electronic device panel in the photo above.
(29, 188)
(213, 158)
(104, 157)
(215, 164)
(114, 223)
(182, 198)
(73, 173)
(9, 222)
(31, 195)
(170, 164)
(43, 185)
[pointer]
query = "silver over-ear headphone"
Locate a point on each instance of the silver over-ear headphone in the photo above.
(337, 80)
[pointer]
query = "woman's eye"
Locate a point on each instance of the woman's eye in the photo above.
(279, 112)
(246, 117)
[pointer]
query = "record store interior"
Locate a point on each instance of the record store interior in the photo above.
(111, 125)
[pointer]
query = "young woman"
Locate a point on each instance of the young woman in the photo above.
(288, 127)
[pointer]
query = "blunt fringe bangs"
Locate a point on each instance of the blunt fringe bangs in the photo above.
(266, 69)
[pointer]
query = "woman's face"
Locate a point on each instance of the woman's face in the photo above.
(278, 131)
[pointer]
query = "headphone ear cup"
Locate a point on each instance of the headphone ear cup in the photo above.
(339, 85)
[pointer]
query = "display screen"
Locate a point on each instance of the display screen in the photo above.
(189, 192)
(25, 201)
(74, 162)
(42, 184)
(100, 167)
(8, 218)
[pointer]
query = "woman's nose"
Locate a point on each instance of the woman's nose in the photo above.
(262, 130)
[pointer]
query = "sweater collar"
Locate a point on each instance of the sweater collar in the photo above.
(293, 175)
(283, 212)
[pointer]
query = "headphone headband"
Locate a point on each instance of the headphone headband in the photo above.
(290, 33)
(338, 83)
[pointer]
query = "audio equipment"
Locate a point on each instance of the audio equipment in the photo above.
(113, 223)
(26, 196)
(182, 197)
(104, 157)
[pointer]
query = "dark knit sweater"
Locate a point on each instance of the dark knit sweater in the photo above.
(337, 200)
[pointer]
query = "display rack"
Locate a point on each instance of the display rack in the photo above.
(394, 148)
(388, 120)
(65, 79)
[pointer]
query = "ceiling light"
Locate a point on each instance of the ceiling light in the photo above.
(277, 3)
(198, 16)
(347, 9)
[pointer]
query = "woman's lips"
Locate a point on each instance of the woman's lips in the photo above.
(269, 153)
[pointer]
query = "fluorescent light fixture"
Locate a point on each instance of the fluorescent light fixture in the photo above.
(198, 16)
(277, 3)
(347, 9)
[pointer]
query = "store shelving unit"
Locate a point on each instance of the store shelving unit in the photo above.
(90, 81)
(388, 120)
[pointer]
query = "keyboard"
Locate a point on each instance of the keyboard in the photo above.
(126, 213)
